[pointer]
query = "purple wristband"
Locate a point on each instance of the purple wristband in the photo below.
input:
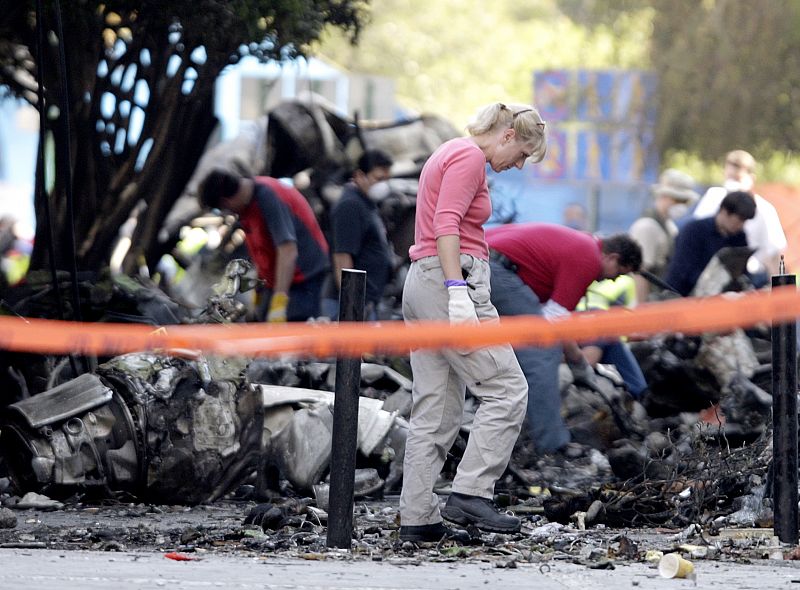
(455, 283)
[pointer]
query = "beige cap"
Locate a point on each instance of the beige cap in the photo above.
(677, 185)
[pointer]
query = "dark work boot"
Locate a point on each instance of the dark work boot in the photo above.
(481, 512)
(432, 533)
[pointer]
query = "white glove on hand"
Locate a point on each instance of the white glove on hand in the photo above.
(582, 373)
(460, 308)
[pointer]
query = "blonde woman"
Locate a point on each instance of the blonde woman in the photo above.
(449, 279)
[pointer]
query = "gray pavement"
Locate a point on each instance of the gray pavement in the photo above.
(90, 570)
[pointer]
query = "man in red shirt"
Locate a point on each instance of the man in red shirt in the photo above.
(282, 236)
(544, 269)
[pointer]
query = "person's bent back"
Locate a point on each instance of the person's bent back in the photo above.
(700, 239)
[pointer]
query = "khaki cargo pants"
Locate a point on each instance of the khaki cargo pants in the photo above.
(440, 377)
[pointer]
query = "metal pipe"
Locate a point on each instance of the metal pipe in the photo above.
(784, 422)
(658, 282)
(345, 418)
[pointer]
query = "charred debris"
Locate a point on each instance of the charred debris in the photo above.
(190, 430)
(149, 429)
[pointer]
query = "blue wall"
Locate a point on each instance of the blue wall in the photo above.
(611, 206)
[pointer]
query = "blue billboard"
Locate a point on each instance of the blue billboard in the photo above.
(601, 123)
(601, 153)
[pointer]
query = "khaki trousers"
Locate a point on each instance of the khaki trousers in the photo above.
(492, 374)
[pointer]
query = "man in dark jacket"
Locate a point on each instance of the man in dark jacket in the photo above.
(700, 239)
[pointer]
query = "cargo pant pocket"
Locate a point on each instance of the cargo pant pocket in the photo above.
(484, 364)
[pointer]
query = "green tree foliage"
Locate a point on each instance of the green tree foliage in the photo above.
(141, 75)
(451, 56)
(729, 70)
(730, 75)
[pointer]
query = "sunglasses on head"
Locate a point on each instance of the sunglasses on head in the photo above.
(515, 115)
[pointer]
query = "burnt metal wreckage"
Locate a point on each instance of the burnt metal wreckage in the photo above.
(177, 427)
(308, 141)
(115, 428)
(186, 429)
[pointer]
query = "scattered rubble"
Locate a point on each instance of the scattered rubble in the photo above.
(8, 520)
(293, 528)
(35, 501)
(232, 455)
(652, 486)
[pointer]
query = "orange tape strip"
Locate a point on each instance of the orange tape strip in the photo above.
(689, 316)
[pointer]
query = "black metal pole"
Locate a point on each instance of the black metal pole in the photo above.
(345, 418)
(784, 422)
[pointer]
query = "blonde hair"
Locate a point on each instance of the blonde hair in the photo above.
(524, 119)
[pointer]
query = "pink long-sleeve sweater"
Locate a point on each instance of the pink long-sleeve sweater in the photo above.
(453, 199)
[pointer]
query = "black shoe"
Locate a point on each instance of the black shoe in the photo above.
(432, 533)
(481, 512)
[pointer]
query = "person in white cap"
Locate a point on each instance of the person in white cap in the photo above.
(764, 232)
(656, 230)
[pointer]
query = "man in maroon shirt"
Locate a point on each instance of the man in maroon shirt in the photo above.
(545, 269)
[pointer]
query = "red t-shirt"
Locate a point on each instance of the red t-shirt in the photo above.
(557, 262)
(278, 214)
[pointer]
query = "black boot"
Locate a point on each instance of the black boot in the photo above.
(481, 512)
(432, 533)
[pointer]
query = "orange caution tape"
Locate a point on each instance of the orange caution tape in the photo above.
(689, 316)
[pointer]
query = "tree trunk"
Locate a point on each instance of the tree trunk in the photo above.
(108, 186)
(194, 124)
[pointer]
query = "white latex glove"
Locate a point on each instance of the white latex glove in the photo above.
(460, 307)
(552, 310)
(582, 372)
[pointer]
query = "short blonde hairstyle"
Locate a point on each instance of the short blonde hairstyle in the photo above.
(524, 119)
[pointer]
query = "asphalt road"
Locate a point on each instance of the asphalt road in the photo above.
(89, 570)
(124, 547)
